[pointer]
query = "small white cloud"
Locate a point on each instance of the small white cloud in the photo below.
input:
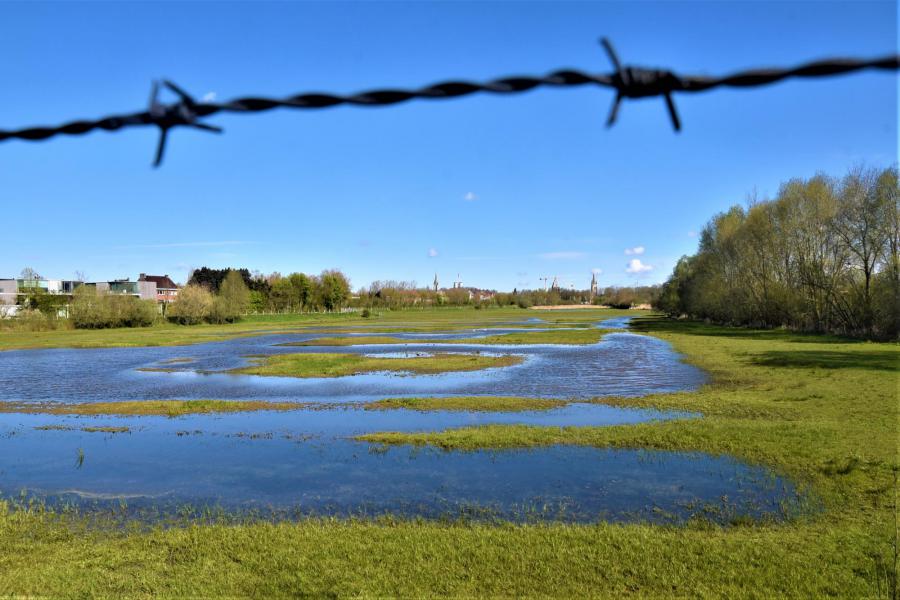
(596, 271)
(470, 197)
(636, 267)
(432, 252)
(638, 250)
(692, 233)
(208, 97)
(566, 255)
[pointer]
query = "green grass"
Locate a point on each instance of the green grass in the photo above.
(339, 365)
(165, 408)
(821, 410)
(467, 403)
(408, 559)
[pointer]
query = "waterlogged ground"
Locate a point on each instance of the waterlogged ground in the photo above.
(307, 462)
(622, 364)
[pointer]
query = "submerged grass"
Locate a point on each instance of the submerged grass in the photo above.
(106, 429)
(339, 365)
(467, 403)
(827, 418)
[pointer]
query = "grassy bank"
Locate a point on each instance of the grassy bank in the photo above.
(468, 403)
(349, 559)
(339, 365)
(144, 408)
(821, 410)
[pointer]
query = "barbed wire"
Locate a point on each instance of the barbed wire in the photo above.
(628, 81)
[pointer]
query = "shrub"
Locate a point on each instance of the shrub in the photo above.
(193, 305)
(91, 310)
(30, 320)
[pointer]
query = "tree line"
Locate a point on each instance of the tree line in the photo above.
(821, 256)
(294, 293)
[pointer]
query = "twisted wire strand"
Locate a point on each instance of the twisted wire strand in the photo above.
(631, 82)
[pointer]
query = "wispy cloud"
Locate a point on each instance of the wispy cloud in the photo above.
(636, 267)
(637, 250)
(596, 271)
(432, 252)
(692, 233)
(470, 197)
(564, 255)
(192, 244)
(208, 97)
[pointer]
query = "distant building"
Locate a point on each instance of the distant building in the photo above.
(145, 290)
(166, 289)
(593, 286)
(554, 287)
(13, 291)
(435, 282)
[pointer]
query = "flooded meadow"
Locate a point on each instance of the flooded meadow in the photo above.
(307, 461)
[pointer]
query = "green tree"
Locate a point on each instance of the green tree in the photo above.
(334, 289)
(301, 291)
(233, 298)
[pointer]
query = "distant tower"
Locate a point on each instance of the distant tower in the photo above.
(593, 285)
(555, 285)
(435, 282)
(458, 282)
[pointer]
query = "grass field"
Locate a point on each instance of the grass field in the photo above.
(821, 410)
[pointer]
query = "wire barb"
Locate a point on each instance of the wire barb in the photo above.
(166, 116)
(637, 82)
(627, 81)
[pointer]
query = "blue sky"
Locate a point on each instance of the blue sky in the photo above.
(502, 190)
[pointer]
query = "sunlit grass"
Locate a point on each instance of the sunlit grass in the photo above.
(339, 365)
(467, 403)
(166, 408)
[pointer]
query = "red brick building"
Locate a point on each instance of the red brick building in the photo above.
(166, 289)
